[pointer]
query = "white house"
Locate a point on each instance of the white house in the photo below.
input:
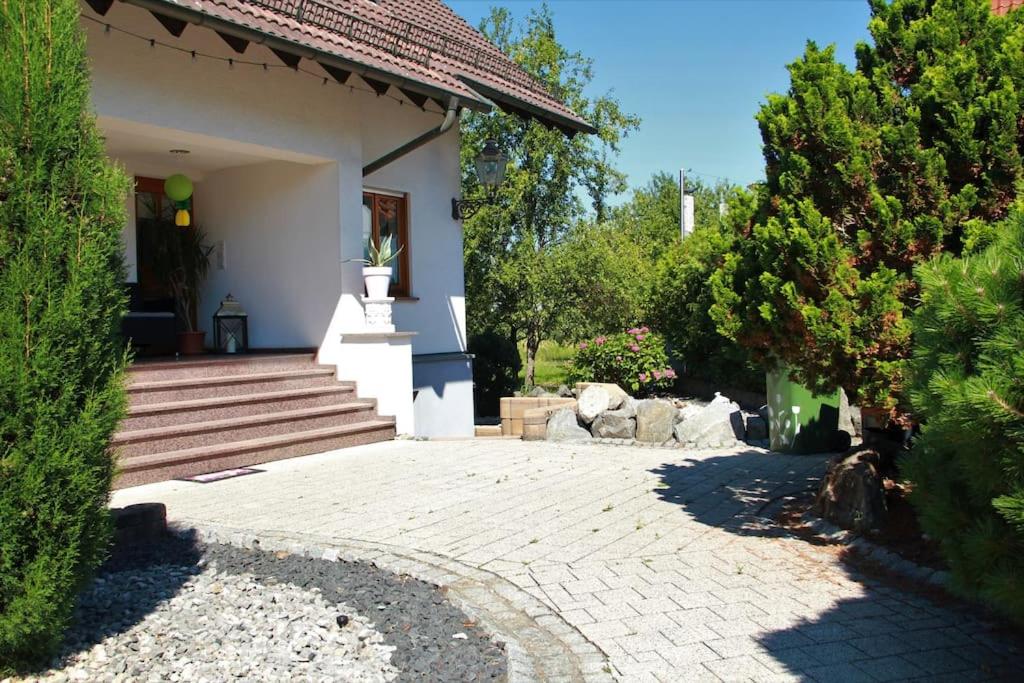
(280, 112)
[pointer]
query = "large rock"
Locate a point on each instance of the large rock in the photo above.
(593, 401)
(616, 395)
(615, 424)
(654, 420)
(688, 410)
(564, 392)
(563, 426)
(852, 494)
(628, 407)
(718, 425)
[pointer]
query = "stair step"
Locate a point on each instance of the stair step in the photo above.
(154, 415)
(137, 470)
(184, 435)
(212, 366)
(183, 389)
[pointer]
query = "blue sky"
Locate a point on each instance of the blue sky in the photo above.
(695, 71)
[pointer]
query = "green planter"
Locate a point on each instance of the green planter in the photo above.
(800, 421)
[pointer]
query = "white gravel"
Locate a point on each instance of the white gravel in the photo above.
(213, 626)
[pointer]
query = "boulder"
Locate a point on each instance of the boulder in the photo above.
(614, 424)
(628, 407)
(593, 401)
(563, 426)
(852, 494)
(564, 392)
(757, 428)
(687, 411)
(616, 395)
(538, 392)
(654, 420)
(718, 425)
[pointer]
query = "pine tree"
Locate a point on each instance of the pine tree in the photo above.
(870, 172)
(61, 299)
(967, 384)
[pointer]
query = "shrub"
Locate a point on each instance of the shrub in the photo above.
(634, 360)
(967, 382)
(680, 300)
(62, 209)
(495, 370)
(870, 172)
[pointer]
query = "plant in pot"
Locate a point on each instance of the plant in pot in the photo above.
(376, 271)
(181, 258)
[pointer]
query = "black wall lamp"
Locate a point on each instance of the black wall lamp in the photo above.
(490, 172)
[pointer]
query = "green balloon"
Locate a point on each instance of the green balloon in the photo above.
(178, 187)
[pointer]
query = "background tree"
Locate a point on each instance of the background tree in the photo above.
(513, 284)
(967, 383)
(62, 208)
(870, 172)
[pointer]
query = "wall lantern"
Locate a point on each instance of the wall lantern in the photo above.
(490, 172)
(179, 188)
(231, 327)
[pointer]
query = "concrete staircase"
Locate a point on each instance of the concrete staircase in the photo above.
(197, 416)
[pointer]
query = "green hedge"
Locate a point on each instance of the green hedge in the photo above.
(62, 208)
(967, 374)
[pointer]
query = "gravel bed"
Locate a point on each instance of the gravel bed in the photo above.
(175, 611)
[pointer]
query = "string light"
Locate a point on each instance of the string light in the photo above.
(195, 55)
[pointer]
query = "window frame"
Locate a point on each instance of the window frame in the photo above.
(403, 288)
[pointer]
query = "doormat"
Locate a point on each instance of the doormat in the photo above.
(211, 477)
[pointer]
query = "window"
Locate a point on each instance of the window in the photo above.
(388, 215)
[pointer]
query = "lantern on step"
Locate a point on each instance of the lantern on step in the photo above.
(231, 327)
(178, 189)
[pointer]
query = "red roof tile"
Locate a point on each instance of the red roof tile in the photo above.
(1004, 6)
(418, 44)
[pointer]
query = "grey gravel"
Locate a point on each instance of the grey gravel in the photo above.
(176, 611)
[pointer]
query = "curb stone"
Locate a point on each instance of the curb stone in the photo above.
(827, 531)
(539, 644)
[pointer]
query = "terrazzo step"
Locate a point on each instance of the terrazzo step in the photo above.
(222, 407)
(184, 389)
(146, 469)
(192, 435)
(218, 366)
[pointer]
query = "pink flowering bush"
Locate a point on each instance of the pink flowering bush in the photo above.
(636, 360)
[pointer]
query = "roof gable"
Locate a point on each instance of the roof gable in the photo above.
(419, 46)
(1004, 6)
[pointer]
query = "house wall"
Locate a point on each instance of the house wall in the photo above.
(292, 223)
(266, 217)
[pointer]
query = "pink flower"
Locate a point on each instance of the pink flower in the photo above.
(634, 348)
(583, 345)
(670, 373)
(641, 337)
(643, 376)
(600, 340)
(618, 358)
(657, 374)
(633, 330)
(644, 330)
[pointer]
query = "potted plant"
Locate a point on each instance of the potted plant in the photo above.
(181, 258)
(376, 271)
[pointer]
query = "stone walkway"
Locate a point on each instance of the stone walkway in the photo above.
(660, 558)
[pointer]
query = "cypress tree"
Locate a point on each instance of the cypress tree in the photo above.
(967, 382)
(869, 172)
(62, 208)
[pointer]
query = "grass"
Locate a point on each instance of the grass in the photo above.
(553, 361)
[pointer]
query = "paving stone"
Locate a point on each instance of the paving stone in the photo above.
(677, 584)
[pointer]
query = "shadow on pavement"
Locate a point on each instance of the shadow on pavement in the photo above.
(853, 626)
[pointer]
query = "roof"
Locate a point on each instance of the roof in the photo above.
(420, 46)
(1004, 6)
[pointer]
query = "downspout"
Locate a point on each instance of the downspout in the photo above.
(450, 117)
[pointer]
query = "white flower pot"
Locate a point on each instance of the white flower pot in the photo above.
(377, 281)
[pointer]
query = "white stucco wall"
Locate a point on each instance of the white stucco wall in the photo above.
(268, 216)
(290, 212)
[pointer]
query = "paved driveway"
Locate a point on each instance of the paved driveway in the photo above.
(660, 558)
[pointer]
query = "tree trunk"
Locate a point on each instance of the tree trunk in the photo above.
(532, 344)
